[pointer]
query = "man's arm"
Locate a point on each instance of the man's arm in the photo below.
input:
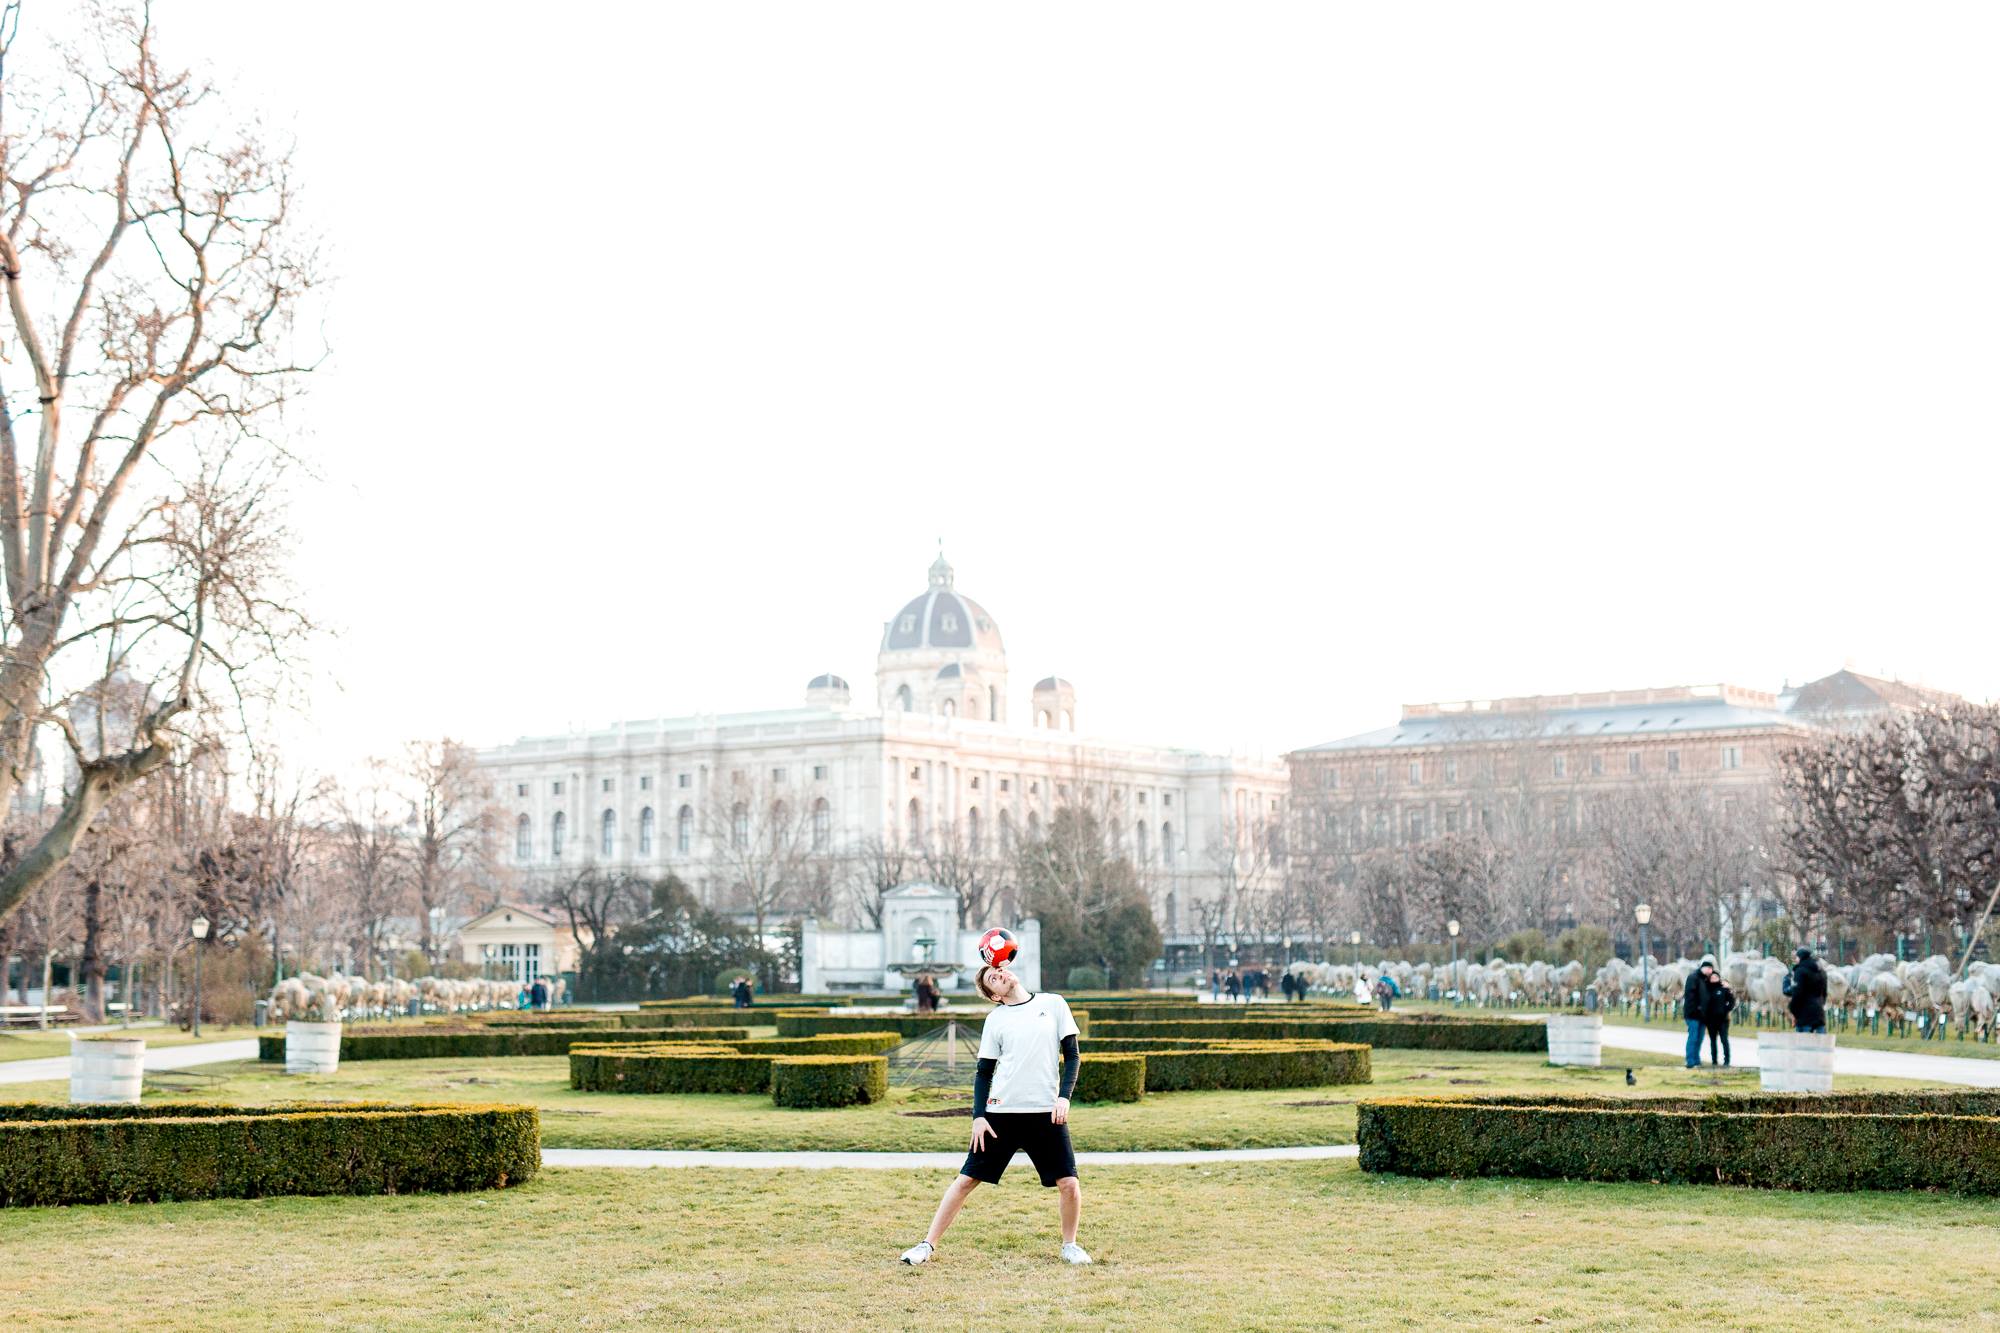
(982, 1088)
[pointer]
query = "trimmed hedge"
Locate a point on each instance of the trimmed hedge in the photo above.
(1867, 1141)
(56, 1154)
(813, 1023)
(655, 1019)
(1110, 1078)
(829, 1080)
(1417, 1033)
(1301, 1064)
(756, 1002)
(505, 1018)
(859, 1043)
(668, 1069)
(430, 1043)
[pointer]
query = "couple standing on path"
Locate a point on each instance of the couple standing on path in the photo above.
(1028, 1063)
(1706, 1002)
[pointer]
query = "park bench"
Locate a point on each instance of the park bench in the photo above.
(30, 1015)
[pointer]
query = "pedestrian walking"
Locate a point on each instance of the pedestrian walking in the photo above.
(1214, 983)
(1232, 985)
(1285, 983)
(1721, 1000)
(1383, 992)
(1694, 1006)
(1806, 984)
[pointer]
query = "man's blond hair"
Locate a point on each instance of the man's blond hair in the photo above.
(979, 982)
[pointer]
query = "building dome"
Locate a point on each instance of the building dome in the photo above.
(941, 617)
(949, 671)
(826, 682)
(1052, 683)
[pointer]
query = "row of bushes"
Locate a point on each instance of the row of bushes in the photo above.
(437, 1043)
(1875, 1141)
(1387, 1033)
(55, 1154)
(756, 1002)
(811, 1023)
(793, 1080)
(1278, 1064)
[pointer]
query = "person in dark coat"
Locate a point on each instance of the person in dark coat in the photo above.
(1694, 1006)
(1214, 984)
(538, 995)
(1285, 983)
(1806, 984)
(1721, 1000)
(1233, 985)
(1264, 983)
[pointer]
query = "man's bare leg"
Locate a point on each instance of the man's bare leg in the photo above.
(947, 1209)
(1069, 1201)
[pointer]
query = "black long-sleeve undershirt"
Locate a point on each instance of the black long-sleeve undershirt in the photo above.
(982, 1080)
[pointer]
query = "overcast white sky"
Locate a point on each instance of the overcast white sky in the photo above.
(1261, 366)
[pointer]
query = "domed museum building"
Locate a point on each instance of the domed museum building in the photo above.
(843, 790)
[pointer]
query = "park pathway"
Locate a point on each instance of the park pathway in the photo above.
(167, 1057)
(943, 1161)
(1968, 1072)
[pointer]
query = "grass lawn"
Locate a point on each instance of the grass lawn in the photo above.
(1276, 1118)
(1672, 1022)
(35, 1044)
(1238, 1246)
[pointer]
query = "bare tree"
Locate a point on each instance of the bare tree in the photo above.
(151, 285)
(762, 844)
(371, 855)
(952, 859)
(450, 822)
(880, 864)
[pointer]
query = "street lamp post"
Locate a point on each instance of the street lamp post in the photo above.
(1451, 929)
(1643, 913)
(199, 927)
(1354, 938)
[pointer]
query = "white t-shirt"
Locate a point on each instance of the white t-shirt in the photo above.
(1026, 1039)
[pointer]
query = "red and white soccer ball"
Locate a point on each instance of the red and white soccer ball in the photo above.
(998, 947)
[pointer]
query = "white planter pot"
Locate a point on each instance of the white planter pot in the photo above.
(1795, 1061)
(107, 1071)
(1576, 1039)
(312, 1048)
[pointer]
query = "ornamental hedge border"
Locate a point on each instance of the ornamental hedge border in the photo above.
(56, 1154)
(510, 1018)
(451, 1043)
(1865, 1141)
(858, 1043)
(1110, 1078)
(1420, 1033)
(757, 1002)
(668, 1069)
(1299, 1064)
(813, 1023)
(829, 1080)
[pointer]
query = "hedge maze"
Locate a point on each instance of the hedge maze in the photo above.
(808, 1076)
(1862, 1141)
(56, 1154)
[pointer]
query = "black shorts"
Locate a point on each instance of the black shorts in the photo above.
(1033, 1132)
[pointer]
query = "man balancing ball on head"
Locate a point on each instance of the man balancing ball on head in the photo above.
(1028, 1063)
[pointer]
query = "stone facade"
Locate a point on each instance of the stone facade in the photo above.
(937, 756)
(919, 925)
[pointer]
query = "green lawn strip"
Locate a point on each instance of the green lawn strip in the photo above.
(1673, 1022)
(1280, 1117)
(1238, 1245)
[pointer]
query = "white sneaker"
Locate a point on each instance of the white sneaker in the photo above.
(922, 1251)
(1072, 1253)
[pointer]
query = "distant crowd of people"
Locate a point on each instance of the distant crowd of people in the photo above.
(1253, 983)
(1707, 1001)
(533, 995)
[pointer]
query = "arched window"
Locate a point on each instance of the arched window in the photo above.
(993, 702)
(1042, 718)
(972, 707)
(1143, 847)
(781, 822)
(1034, 826)
(1006, 834)
(739, 826)
(1173, 913)
(972, 830)
(951, 708)
(904, 699)
(524, 838)
(1117, 838)
(1166, 844)
(556, 837)
(684, 830)
(822, 824)
(916, 820)
(646, 831)
(607, 838)
(1069, 720)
